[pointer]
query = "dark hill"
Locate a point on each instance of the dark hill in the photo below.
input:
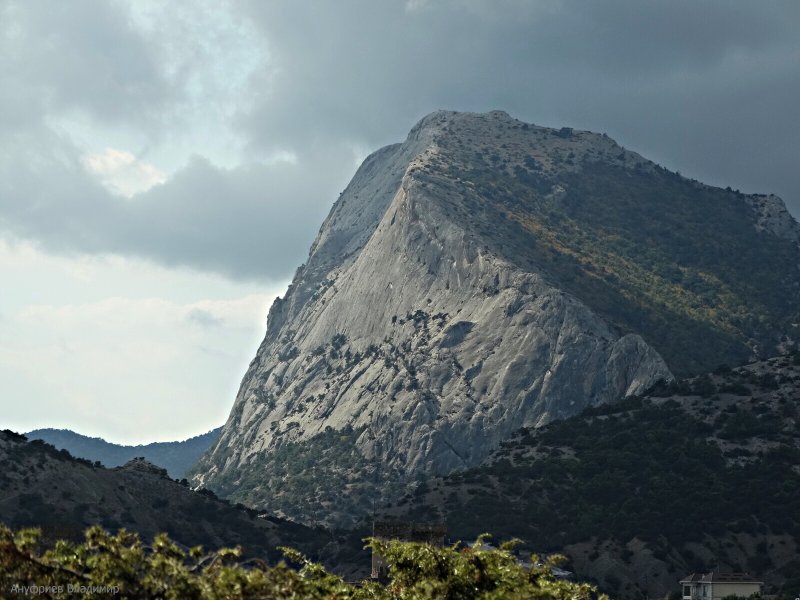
(44, 487)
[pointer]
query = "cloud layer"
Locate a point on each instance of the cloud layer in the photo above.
(232, 126)
(121, 173)
(120, 348)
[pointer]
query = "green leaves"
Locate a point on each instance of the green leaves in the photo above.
(422, 571)
(417, 571)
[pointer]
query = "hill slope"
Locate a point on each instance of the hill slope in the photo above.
(485, 275)
(175, 457)
(44, 487)
(697, 476)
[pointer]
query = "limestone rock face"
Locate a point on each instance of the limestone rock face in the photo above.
(773, 216)
(412, 323)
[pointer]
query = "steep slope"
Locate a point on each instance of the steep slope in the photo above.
(485, 275)
(175, 457)
(44, 487)
(700, 475)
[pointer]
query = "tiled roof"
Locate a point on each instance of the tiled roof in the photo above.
(719, 578)
(732, 578)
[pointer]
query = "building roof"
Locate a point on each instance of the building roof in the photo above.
(716, 577)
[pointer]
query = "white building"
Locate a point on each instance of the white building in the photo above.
(715, 586)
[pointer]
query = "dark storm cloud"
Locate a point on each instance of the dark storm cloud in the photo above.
(253, 221)
(227, 221)
(205, 217)
(708, 88)
(79, 55)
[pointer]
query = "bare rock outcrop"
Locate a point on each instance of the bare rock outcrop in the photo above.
(404, 325)
(142, 465)
(773, 216)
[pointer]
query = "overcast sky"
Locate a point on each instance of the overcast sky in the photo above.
(164, 166)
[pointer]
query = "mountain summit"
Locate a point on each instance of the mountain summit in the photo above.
(485, 275)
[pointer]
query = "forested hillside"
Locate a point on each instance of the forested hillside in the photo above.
(698, 475)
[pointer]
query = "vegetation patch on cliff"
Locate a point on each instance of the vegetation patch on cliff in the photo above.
(322, 481)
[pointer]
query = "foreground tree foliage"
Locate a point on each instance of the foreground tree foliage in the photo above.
(121, 566)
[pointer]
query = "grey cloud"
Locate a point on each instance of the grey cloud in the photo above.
(81, 55)
(252, 222)
(710, 89)
(356, 66)
(203, 318)
(249, 222)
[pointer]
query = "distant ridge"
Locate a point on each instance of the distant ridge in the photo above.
(175, 457)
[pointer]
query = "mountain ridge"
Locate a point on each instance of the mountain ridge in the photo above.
(176, 457)
(47, 488)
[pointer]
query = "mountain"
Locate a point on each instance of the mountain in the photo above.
(47, 488)
(484, 275)
(175, 457)
(701, 475)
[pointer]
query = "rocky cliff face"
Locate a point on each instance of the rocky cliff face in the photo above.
(449, 300)
(773, 217)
